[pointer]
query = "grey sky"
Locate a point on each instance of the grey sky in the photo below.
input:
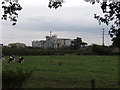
(74, 19)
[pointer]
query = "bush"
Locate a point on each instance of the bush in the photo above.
(14, 79)
(101, 50)
(91, 50)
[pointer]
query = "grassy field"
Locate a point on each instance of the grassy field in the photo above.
(69, 71)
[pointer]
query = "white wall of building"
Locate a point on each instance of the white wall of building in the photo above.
(52, 42)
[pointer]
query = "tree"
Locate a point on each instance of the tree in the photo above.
(55, 3)
(10, 10)
(111, 15)
(111, 11)
(77, 43)
(100, 50)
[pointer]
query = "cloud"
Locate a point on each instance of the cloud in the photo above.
(35, 22)
(47, 24)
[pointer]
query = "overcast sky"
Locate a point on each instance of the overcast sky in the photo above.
(36, 20)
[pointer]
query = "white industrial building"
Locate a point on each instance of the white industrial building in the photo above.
(52, 42)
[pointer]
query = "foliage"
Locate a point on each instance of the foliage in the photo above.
(88, 50)
(111, 15)
(27, 51)
(111, 12)
(10, 10)
(77, 43)
(101, 50)
(55, 3)
(116, 40)
(14, 79)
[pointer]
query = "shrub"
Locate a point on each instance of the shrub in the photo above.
(14, 79)
(101, 50)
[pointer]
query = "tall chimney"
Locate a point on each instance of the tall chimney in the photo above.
(50, 33)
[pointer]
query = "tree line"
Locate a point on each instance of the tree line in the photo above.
(89, 50)
(77, 47)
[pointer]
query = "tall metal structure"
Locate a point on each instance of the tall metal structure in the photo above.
(50, 33)
(103, 43)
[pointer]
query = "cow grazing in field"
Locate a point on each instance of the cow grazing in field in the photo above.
(21, 60)
(11, 59)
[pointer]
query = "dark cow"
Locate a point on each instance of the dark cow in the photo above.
(11, 59)
(21, 60)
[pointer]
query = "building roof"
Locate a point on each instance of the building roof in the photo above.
(16, 43)
(63, 39)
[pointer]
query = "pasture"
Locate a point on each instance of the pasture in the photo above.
(68, 71)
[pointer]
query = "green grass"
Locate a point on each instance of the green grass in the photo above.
(69, 71)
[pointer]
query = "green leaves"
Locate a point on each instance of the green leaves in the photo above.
(10, 11)
(111, 13)
(78, 43)
(111, 16)
(14, 79)
(55, 3)
(104, 6)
